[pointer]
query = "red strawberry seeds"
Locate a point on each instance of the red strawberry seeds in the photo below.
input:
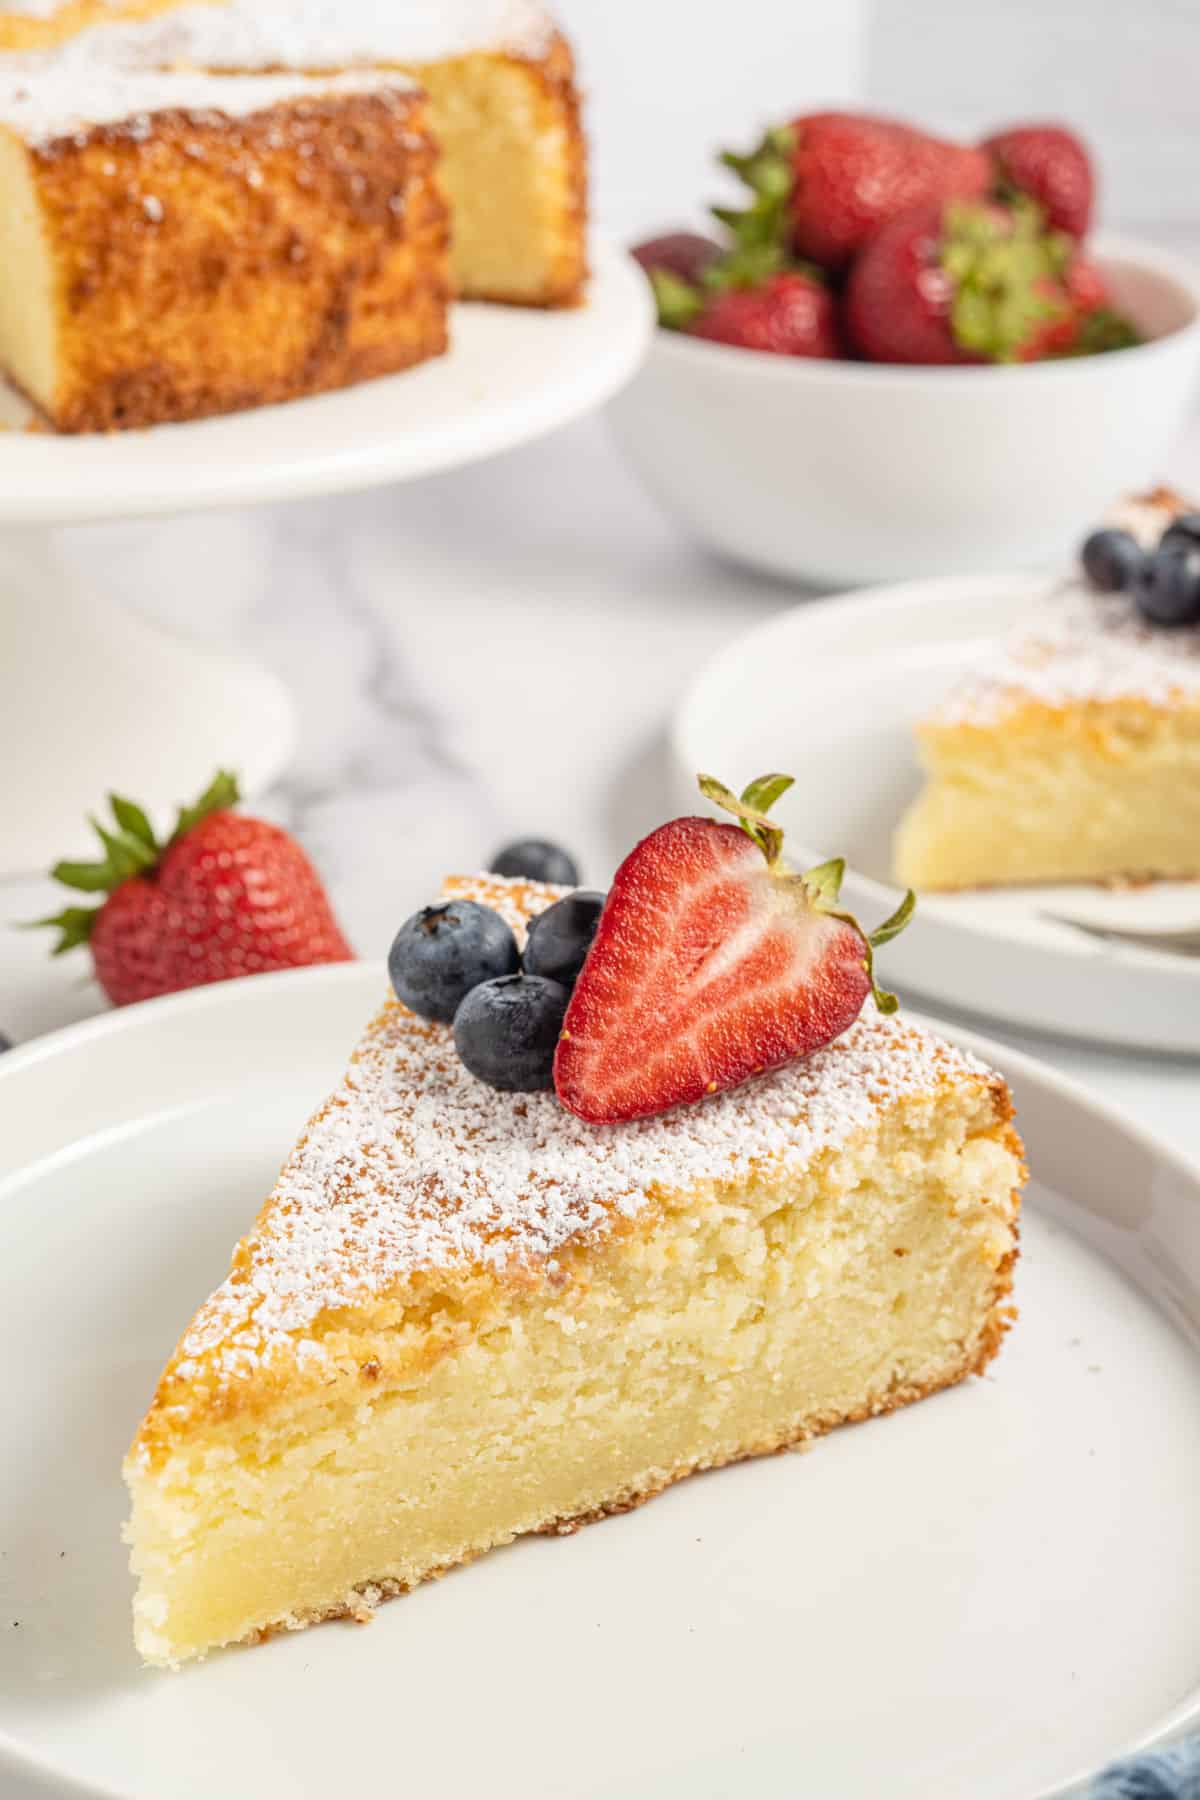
(226, 896)
(710, 965)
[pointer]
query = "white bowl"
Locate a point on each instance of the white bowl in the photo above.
(841, 472)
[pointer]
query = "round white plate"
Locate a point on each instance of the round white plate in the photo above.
(830, 691)
(511, 373)
(978, 1598)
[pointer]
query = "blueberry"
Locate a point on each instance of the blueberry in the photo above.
(560, 938)
(536, 860)
(1181, 533)
(506, 1031)
(1167, 589)
(442, 952)
(1111, 560)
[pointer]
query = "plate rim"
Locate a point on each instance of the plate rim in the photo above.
(615, 324)
(90, 1035)
(935, 595)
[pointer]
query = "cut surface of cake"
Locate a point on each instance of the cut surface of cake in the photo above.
(190, 244)
(464, 1314)
(504, 107)
(1070, 753)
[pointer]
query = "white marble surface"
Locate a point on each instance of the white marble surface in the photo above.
(475, 655)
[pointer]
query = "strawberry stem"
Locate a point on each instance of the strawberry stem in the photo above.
(821, 884)
(751, 810)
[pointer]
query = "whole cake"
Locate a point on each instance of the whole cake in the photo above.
(466, 1313)
(167, 176)
(1071, 752)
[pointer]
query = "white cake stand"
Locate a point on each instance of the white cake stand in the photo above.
(93, 698)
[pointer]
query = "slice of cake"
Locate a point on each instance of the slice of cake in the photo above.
(188, 244)
(1071, 753)
(465, 1314)
(504, 107)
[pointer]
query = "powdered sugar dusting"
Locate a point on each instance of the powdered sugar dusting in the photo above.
(314, 34)
(1080, 646)
(414, 1165)
(51, 103)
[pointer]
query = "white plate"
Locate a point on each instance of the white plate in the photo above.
(511, 374)
(978, 1598)
(830, 691)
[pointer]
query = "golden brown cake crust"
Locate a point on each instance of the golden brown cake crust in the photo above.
(219, 263)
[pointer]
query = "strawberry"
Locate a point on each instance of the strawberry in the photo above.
(1052, 166)
(969, 283)
(832, 179)
(712, 962)
(684, 254)
(791, 314)
(226, 895)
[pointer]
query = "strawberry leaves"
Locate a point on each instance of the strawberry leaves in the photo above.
(760, 231)
(130, 848)
(759, 242)
(823, 884)
(73, 924)
(677, 301)
(133, 822)
(221, 793)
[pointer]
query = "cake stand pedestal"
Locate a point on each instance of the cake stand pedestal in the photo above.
(93, 699)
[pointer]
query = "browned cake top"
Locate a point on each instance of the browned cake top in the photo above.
(415, 1166)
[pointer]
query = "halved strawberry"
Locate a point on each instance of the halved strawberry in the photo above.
(712, 963)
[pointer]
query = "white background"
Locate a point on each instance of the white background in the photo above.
(668, 78)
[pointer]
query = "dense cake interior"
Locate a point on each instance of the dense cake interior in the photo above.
(1092, 793)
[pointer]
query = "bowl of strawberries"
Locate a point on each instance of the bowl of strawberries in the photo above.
(903, 356)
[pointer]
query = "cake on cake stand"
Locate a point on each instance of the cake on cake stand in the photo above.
(92, 697)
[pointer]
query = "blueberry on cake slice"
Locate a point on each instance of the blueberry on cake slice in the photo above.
(1072, 753)
(184, 244)
(615, 1189)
